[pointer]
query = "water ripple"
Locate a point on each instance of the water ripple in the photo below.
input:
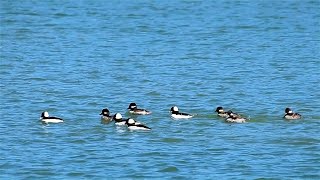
(75, 58)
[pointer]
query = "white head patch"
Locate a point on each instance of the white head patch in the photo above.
(118, 116)
(45, 114)
(175, 108)
(290, 112)
(131, 121)
(221, 110)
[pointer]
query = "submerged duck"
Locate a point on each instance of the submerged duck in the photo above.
(221, 112)
(133, 109)
(289, 114)
(105, 116)
(179, 115)
(133, 125)
(45, 118)
(119, 120)
(235, 118)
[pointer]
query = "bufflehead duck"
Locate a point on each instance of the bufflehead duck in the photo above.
(105, 116)
(45, 118)
(119, 120)
(133, 125)
(235, 118)
(221, 112)
(178, 115)
(291, 115)
(133, 109)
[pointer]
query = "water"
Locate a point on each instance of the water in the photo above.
(75, 58)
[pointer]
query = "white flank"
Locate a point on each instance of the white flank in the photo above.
(106, 118)
(292, 117)
(177, 116)
(237, 120)
(52, 120)
(137, 128)
(122, 123)
(140, 112)
(223, 115)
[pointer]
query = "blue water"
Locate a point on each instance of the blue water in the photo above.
(75, 58)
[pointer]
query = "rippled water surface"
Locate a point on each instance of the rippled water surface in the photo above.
(73, 58)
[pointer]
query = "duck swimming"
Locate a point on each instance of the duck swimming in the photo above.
(133, 125)
(133, 109)
(179, 115)
(226, 114)
(221, 112)
(235, 118)
(105, 116)
(119, 120)
(45, 118)
(290, 115)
